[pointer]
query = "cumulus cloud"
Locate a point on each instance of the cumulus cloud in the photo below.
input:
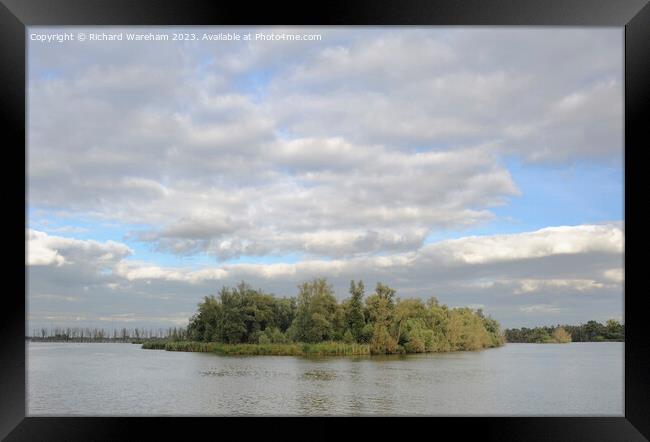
(579, 285)
(45, 250)
(39, 253)
(505, 285)
(354, 203)
(527, 91)
(543, 242)
(348, 153)
(272, 148)
(437, 258)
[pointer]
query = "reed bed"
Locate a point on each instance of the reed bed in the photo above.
(294, 349)
(259, 349)
(154, 345)
(200, 347)
(330, 348)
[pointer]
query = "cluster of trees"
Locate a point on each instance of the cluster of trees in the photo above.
(388, 324)
(592, 331)
(87, 334)
(538, 335)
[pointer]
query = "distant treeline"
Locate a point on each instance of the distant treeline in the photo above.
(86, 334)
(381, 322)
(592, 331)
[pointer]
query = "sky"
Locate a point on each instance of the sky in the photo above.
(479, 165)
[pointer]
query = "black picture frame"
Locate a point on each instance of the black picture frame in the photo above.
(634, 15)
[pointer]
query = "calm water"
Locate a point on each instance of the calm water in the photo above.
(518, 379)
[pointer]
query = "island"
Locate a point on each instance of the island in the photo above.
(242, 320)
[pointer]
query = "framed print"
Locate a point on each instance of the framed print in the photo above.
(367, 209)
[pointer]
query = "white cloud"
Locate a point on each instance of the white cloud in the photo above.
(507, 274)
(540, 308)
(347, 153)
(45, 250)
(63, 318)
(536, 285)
(547, 97)
(281, 148)
(543, 242)
(615, 275)
(180, 319)
(464, 253)
(39, 251)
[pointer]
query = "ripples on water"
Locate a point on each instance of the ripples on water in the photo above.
(518, 379)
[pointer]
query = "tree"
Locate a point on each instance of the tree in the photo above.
(264, 339)
(285, 312)
(354, 316)
(275, 335)
(203, 324)
(380, 307)
(366, 333)
(382, 342)
(592, 331)
(561, 335)
(494, 330)
(240, 314)
(614, 330)
(244, 313)
(315, 312)
(406, 310)
(348, 338)
(386, 323)
(438, 320)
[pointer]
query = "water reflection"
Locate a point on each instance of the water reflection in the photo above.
(317, 375)
(518, 379)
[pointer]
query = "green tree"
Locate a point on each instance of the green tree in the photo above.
(380, 306)
(202, 326)
(231, 326)
(366, 333)
(404, 311)
(594, 331)
(494, 330)
(315, 312)
(354, 315)
(614, 330)
(284, 312)
(348, 338)
(388, 324)
(263, 339)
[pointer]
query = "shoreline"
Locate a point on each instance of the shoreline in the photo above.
(329, 348)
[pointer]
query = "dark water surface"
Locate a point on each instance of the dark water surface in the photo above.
(517, 379)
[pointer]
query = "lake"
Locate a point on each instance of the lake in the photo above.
(517, 379)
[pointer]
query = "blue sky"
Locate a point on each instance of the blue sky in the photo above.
(552, 196)
(438, 161)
